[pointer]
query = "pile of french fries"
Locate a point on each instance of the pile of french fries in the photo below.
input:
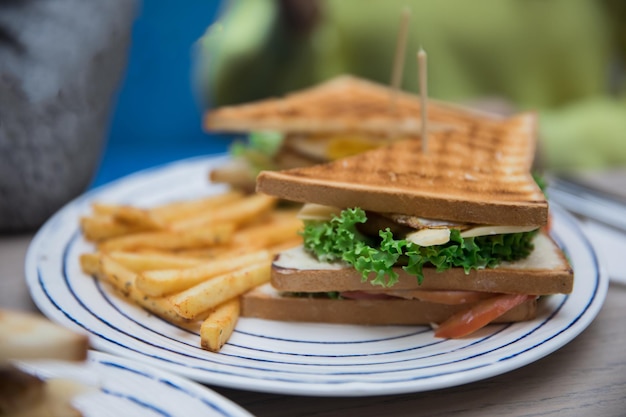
(189, 262)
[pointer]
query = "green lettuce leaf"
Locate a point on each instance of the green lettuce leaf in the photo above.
(340, 240)
(259, 149)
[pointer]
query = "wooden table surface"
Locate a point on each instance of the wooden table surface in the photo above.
(587, 377)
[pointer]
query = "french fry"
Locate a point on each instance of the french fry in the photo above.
(123, 279)
(221, 252)
(128, 215)
(217, 328)
(209, 253)
(239, 212)
(140, 218)
(139, 262)
(90, 263)
(101, 209)
(171, 212)
(206, 236)
(288, 244)
(209, 294)
(159, 307)
(188, 262)
(98, 228)
(115, 274)
(168, 281)
(268, 234)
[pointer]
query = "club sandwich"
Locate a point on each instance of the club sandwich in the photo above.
(337, 118)
(454, 236)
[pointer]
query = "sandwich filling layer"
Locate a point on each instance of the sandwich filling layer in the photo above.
(274, 150)
(347, 238)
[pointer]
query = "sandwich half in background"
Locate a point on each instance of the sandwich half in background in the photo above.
(28, 337)
(340, 117)
(454, 236)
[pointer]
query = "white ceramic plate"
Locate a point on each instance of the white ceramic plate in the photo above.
(279, 357)
(121, 387)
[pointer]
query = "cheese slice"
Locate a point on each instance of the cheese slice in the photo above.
(318, 212)
(348, 145)
(495, 230)
(430, 236)
(330, 147)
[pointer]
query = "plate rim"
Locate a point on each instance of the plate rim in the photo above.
(243, 383)
(213, 400)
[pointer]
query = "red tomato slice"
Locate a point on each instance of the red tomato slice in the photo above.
(468, 321)
(548, 226)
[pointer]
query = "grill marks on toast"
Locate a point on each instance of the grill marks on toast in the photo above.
(342, 104)
(484, 176)
(458, 163)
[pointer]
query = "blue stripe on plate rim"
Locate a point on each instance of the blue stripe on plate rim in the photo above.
(210, 403)
(147, 328)
(107, 374)
(177, 360)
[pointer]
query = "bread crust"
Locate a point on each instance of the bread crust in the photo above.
(266, 303)
(497, 280)
(25, 335)
(545, 271)
(479, 177)
(342, 104)
(18, 389)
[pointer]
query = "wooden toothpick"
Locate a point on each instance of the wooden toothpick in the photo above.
(398, 62)
(423, 84)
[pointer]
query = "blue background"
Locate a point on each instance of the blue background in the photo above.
(157, 118)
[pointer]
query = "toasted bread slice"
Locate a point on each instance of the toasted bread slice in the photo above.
(26, 395)
(236, 172)
(265, 302)
(545, 271)
(343, 104)
(478, 177)
(28, 336)
(18, 389)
